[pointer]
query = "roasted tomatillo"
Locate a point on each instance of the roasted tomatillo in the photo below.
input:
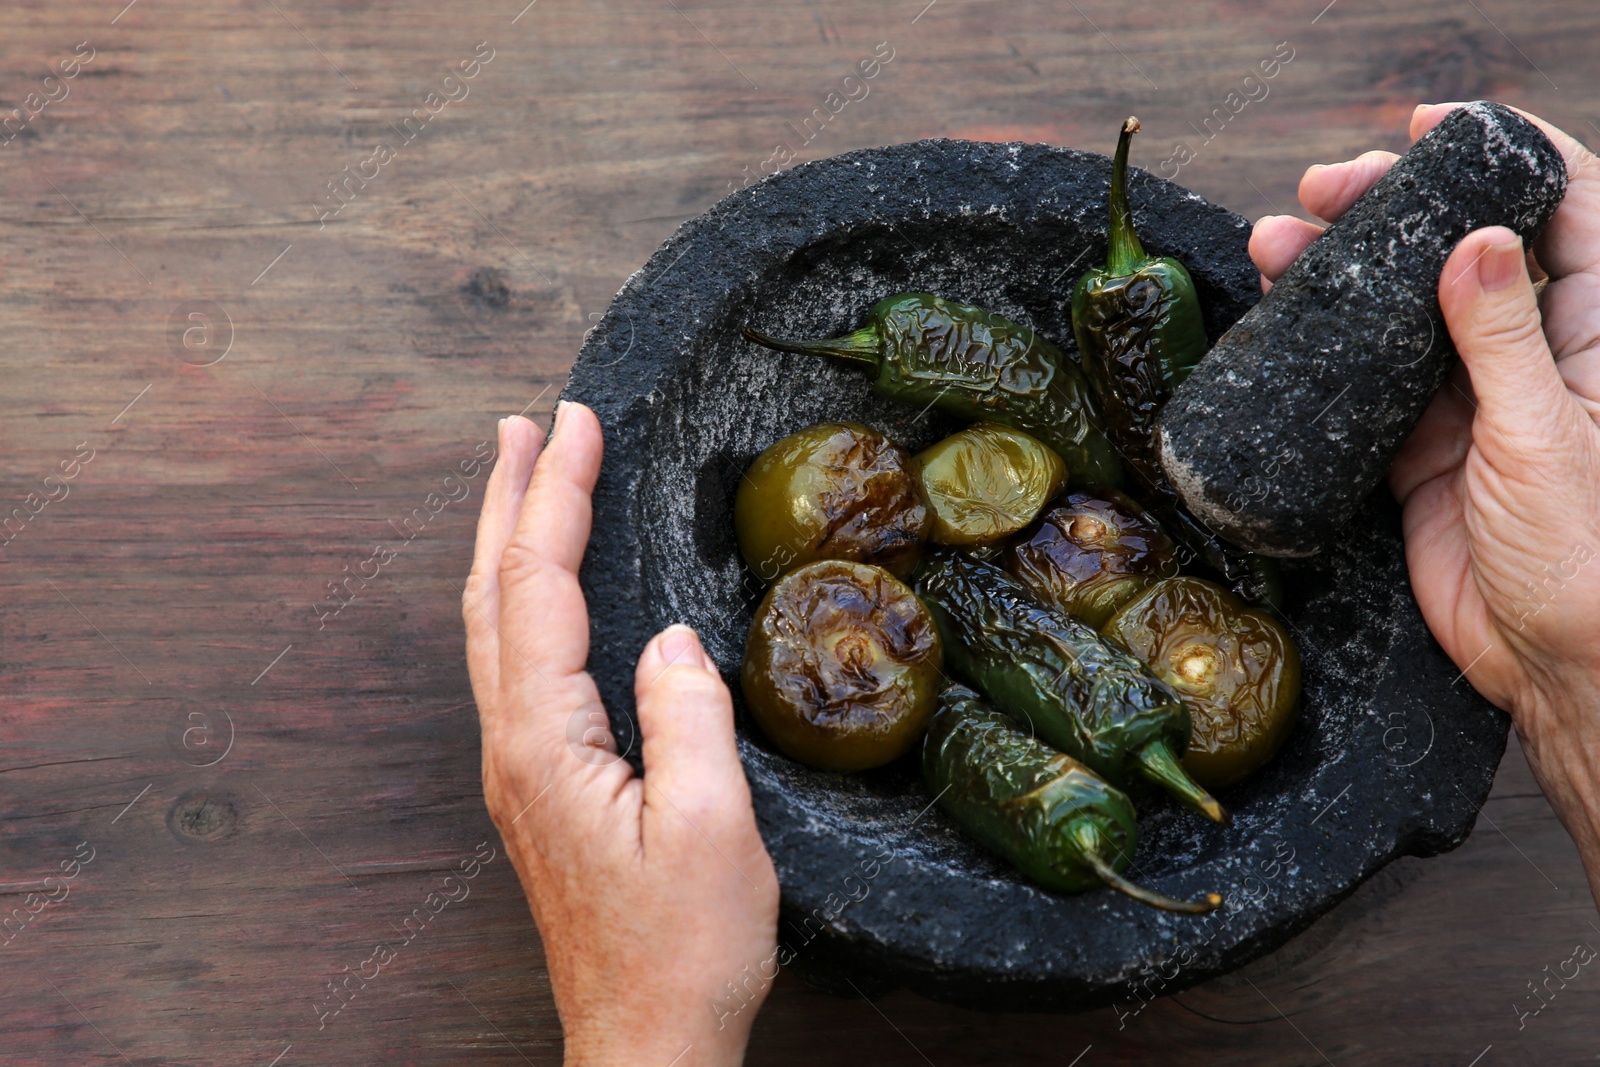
(839, 490)
(1235, 667)
(842, 666)
(1091, 552)
(986, 482)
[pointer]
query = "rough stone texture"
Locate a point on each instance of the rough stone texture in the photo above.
(1291, 421)
(878, 887)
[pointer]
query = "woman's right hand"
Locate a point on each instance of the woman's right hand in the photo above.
(1500, 480)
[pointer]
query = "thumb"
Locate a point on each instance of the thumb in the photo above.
(1493, 317)
(686, 723)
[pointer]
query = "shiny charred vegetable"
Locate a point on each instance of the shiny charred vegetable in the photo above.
(1236, 668)
(986, 482)
(1138, 325)
(1139, 331)
(838, 490)
(1089, 699)
(1091, 552)
(1049, 815)
(842, 666)
(976, 365)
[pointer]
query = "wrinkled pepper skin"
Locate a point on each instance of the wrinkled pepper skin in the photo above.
(842, 666)
(837, 490)
(1081, 694)
(1140, 332)
(1047, 814)
(1138, 325)
(1236, 668)
(977, 365)
(1090, 552)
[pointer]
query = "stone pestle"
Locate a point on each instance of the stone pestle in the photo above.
(1293, 417)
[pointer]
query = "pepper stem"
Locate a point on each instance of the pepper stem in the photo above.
(1124, 253)
(1157, 763)
(860, 347)
(1087, 837)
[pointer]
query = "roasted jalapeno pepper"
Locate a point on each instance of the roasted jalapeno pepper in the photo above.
(838, 490)
(842, 666)
(1140, 332)
(977, 365)
(1091, 552)
(986, 482)
(1138, 325)
(1236, 668)
(1086, 697)
(1049, 815)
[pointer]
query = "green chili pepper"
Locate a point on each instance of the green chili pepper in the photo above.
(977, 365)
(1081, 694)
(1138, 325)
(1049, 815)
(1139, 330)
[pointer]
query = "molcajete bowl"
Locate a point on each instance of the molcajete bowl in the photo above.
(1393, 754)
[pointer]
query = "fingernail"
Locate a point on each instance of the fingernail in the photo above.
(561, 411)
(502, 424)
(680, 644)
(1501, 265)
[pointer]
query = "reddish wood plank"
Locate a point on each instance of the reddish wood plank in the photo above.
(371, 356)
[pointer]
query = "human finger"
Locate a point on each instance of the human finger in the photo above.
(691, 763)
(1328, 189)
(1277, 241)
(518, 447)
(543, 616)
(1493, 316)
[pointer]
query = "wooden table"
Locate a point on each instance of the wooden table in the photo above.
(252, 391)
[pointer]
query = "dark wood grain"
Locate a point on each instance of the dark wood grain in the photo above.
(143, 610)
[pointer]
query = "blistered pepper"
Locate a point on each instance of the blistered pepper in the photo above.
(1088, 698)
(977, 365)
(1057, 821)
(1138, 325)
(1139, 329)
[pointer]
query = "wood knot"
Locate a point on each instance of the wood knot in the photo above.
(201, 817)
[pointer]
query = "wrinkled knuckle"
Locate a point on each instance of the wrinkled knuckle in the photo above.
(690, 685)
(1509, 326)
(521, 565)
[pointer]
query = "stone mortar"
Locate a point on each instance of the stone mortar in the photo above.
(1393, 755)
